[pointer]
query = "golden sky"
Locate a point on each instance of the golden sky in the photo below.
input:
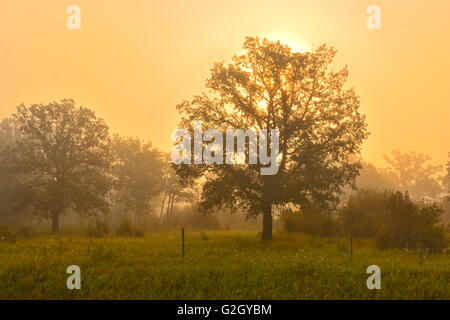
(133, 61)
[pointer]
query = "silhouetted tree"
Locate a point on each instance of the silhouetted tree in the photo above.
(63, 154)
(372, 177)
(271, 87)
(411, 172)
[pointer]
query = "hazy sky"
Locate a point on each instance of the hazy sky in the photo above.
(133, 61)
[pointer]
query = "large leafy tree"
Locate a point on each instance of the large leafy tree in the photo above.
(63, 151)
(271, 87)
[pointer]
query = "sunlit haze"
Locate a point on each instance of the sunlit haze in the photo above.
(132, 62)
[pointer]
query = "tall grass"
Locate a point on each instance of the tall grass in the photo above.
(217, 265)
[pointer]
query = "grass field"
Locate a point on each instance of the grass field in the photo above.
(217, 265)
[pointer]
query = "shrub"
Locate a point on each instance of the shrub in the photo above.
(138, 232)
(101, 229)
(8, 236)
(23, 232)
(126, 229)
(11, 235)
(393, 220)
(404, 224)
(359, 216)
(313, 221)
(192, 218)
(203, 236)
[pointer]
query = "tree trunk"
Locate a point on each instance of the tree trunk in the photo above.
(267, 222)
(162, 206)
(171, 205)
(168, 205)
(55, 222)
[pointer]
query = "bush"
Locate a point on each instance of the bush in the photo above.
(126, 229)
(360, 214)
(404, 224)
(11, 235)
(393, 220)
(313, 221)
(23, 232)
(203, 236)
(7, 235)
(190, 217)
(138, 232)
(198, 220)
(101, 229)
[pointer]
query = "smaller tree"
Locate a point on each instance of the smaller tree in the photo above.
(372, 177)
(176, 188)
(412, 172)
(9, 134)
(63, 155)
(447, 180)
(137, 171)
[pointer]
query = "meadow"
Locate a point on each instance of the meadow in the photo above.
(217, 265)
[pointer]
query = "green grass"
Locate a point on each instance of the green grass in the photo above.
(224, 265)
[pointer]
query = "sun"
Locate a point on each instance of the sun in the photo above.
(296, 43)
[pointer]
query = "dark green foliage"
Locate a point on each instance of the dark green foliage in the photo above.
(313, 221)
(404, 224)
(394, 220)
(359, 215)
